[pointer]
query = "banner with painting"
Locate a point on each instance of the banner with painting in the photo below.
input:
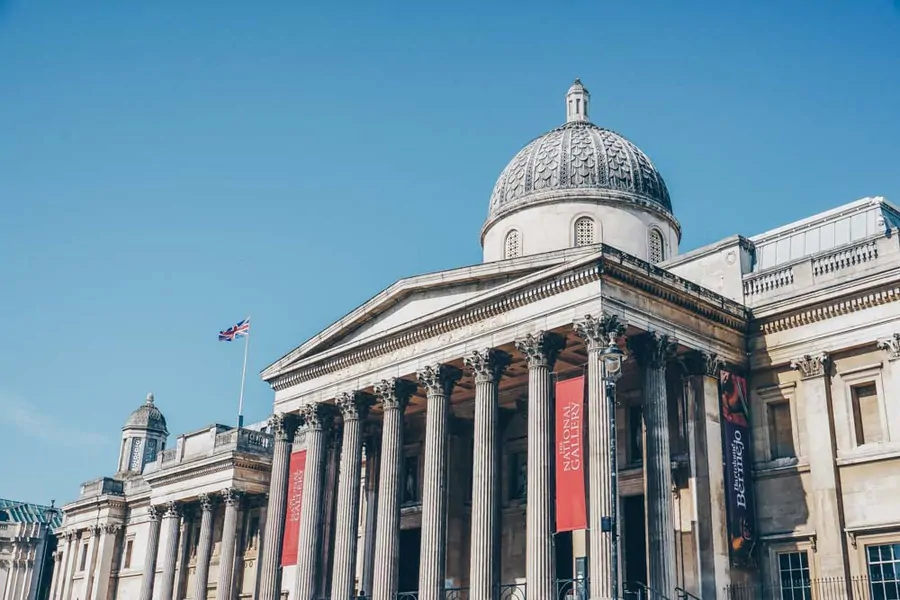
(294, 502)
(571, 507)
(734, 407)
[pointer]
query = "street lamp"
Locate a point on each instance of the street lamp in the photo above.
(50, 513)
(611, 359)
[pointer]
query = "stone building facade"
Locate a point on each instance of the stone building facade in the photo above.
(27, 549)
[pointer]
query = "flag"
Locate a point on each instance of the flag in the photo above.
(242, 328)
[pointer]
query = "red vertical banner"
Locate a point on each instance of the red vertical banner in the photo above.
(571, 505)
(294, 502)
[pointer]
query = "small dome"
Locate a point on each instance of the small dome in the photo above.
(147, 416)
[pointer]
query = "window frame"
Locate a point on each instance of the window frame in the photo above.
(126, 555)
(506, 238)
(856, 377)
(663, 248)
(795, 543)
(778, 394)
(584, 219)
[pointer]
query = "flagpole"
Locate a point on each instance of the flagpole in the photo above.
(243, 376)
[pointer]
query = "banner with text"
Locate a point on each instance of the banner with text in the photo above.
(734, 407)
(294, 502)
(571, 512)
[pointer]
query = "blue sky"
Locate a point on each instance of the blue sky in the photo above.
(167, 168)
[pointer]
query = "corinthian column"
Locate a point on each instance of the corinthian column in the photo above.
(487, 366)
(541, 350)
(394, 395)
(172, 520)
(438, 381)
(652, 351)
(273, 538)
(204, 547)
(149, 576)
(316, 419)
(354, 407)
(225, 582)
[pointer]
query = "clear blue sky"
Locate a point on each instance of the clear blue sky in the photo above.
(167, 168)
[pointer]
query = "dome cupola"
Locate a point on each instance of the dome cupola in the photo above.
(143, 437)
(580, 184)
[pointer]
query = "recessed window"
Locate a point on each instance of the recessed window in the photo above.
(884, 570)
(126, 561)
(83, 563)
(866, 414)
(781, 436)
(657, 250)
(584, 231)
(512, 247)
(793, 573)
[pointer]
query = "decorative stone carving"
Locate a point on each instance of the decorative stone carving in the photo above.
(112, 528)
(699, 362)
(173, 510)
(316, 416)
(488, 364)
(394, 393)
(439, 379)
(599, 332)
(155, 512)
(891, 345)
(354, 406)
(811, 365)
(541, 348)
(283, 426)
(207, 502)
(231, 496)
(652, 349)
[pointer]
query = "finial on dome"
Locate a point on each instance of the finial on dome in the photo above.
(577, 99)
(150, 398)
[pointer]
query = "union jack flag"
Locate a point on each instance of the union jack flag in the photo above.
(242, 328)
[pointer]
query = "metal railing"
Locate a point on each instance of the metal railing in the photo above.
(639, 591)
(831, 588)
(511, 591)
(683, 594)
(572, 589)
(456, 594)
(407, 595)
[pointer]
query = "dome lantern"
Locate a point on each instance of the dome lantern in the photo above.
(577, 102)
(143, 437)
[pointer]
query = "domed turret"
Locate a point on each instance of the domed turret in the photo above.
(147, 416)
(576, 185)
(143, 436)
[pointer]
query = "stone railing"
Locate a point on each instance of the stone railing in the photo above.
(167, 456)
(102, 487)
(768, 281)
(848, 257)
(245, 440)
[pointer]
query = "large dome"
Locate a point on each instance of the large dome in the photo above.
(579, 159)
(147, 416)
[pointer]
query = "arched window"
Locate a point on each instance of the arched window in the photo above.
(657, 249)
(584, 231)
(512, 248)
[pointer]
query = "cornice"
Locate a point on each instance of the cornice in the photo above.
(199, 470)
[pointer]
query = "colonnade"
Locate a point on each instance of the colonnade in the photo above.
(540, 351)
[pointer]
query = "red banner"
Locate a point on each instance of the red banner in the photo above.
(571, 506)
(294, 502)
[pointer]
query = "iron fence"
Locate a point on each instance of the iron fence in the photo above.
(572, 589)
(456, 594)
(833, 588)
(407, 595)
(511, 591)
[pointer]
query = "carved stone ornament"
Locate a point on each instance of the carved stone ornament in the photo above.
(173, 510)
(699, 362)
(354, 406)
(599, 332)
(811, 365)
(488, 364)
(316, 417)
(207, 502)
(891, 345)
(394, 394)
(155, 512)
(283, 426)
(541, 348)
(652, 349)
(112, 528)
(230, 496)
(438, 380)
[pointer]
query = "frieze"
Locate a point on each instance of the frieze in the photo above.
(844, 306)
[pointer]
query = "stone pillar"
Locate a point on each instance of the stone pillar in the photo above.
(394, 395)
(149, 576)
(484, 551)
(372, 445)
(88, 580)
(273, 537)
(181, 568)
(71, 557)
(540, 350)
(172, 521)
(225, 582)
(329, 510)
(596, 334)
(103, 568)
(438, 381)
(317, 419)
(652, 352)
(55, 579)
(204, 547)
(824, 492)
(354, 407)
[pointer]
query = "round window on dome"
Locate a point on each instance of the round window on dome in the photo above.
(656, 252)
(513, 246)
(584, 231)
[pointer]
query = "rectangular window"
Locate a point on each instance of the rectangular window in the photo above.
(884, 570)
(866, 414)
(518, 477)
(793, 574)
(411, 480)
(781, 436)
(126, 562)
(635, 434)
(83, 563)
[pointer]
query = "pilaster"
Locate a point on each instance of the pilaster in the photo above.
(107, 549)
(87, 582)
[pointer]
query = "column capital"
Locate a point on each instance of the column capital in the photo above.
(230, 496)
(94, 530)
(488, 364)
(891, 345)
(283, 426)
(173, 510)
(541, 348)
(438, 379)
(316, 416)
(599, 332)
(155, 512)
(112, 528)
(354, 406)
(811, 365)
(702, 362)
(394, 394)
(652, 349)
(207, 502)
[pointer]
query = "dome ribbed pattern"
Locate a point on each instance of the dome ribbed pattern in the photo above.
(147, 416)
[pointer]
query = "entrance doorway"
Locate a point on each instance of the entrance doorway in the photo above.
(564, 555)
(635, 541)
(410, 547)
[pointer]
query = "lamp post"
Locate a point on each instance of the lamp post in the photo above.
(611, 360)
(50, 513)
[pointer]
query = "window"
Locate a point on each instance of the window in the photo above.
(884, 570)
(126, 561)
(411, 480)
(150, 452)
(657, 250)
(793, 576)
(518, 476)
(512, 247)
(635, 434)
(584, 231)
(866, 414)
(83, 563)
(136, 455)
(781, 436)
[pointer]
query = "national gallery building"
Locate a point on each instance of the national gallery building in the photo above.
(587, 414)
